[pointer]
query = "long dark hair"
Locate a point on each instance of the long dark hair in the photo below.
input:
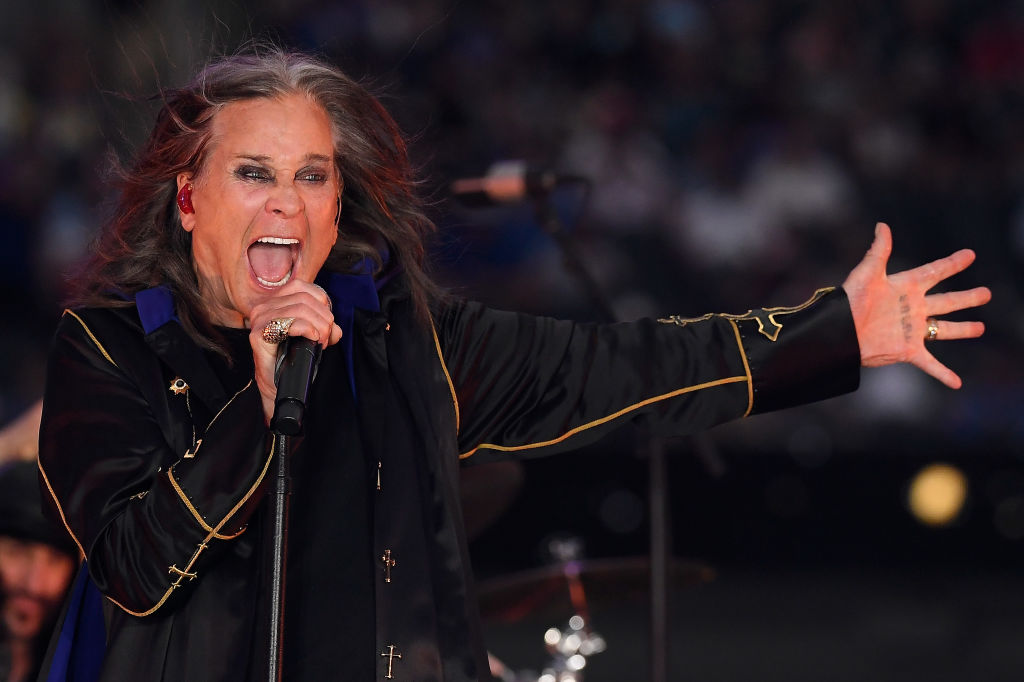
(144, 244)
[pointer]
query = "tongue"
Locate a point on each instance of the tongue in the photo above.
(270, 261)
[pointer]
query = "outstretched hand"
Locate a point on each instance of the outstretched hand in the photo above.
(892, 313)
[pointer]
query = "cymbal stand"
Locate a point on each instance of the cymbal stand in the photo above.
(571, 645)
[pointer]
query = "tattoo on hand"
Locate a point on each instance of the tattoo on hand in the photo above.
(905, 318)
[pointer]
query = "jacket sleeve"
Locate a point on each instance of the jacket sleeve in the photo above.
(146, 528)
(526, 385)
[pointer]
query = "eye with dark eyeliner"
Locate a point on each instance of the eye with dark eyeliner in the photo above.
(254, 173)
(312, 175)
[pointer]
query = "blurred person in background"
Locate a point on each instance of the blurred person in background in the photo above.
(36, 564)
(20, 438)
(274, 199)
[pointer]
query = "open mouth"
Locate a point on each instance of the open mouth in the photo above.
(272, 260)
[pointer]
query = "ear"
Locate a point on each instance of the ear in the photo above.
(188, 220)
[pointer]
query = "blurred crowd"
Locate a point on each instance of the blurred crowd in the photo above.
(739, 151)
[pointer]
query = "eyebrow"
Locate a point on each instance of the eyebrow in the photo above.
(263, 158)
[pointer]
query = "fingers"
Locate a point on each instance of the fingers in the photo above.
(932, 273)
(335, 336)
(327, 334)
(929, 365)
(306, 328)
(310, 307)
(951, 331)
(947, 331)
(941, 304)
(872, 267)
(881, 247)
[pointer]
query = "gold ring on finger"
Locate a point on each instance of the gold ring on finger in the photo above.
(276, 330)
(933, 329)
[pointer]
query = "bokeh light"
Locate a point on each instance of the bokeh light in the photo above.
(937, 494)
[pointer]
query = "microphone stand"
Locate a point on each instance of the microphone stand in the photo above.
(289, 412)
(552, 224)
(658, 494)
(279, 556)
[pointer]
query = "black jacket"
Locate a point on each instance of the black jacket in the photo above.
(170, 528)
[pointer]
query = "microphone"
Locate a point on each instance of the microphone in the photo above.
(296, 369)
(508, 182)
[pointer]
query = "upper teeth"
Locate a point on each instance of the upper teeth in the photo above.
(276, 240)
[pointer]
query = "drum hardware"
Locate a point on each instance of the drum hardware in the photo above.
(569, 648)
(541, 594)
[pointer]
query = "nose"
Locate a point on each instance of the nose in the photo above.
(284, 201)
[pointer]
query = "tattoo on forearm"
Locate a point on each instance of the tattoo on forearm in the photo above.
(905, 318)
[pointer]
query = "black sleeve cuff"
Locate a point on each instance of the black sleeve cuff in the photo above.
(802, 354)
